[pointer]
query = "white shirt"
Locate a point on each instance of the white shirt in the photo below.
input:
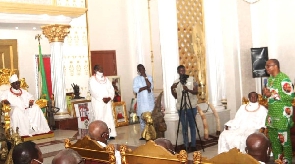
(117, 153)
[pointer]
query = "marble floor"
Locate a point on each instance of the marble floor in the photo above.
(127, 135)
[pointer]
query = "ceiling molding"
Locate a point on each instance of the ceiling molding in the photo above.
(36, 9)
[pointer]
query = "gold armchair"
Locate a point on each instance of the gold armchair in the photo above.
(232, 156)
(151, 153)
(92, 151)
(5, 74)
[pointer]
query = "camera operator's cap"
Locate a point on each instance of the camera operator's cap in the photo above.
(13, 78)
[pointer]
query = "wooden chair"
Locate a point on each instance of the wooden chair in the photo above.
(150, 153)
(230, 157)
(92, 152)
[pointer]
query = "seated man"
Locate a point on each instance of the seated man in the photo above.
(258, 146)
(24, 114)
(99, 131)
(165, 143)
(27, 153)
(67, 156)
(249, 118)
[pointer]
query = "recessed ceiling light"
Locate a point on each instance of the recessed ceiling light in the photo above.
(16, 28)
(34, 28)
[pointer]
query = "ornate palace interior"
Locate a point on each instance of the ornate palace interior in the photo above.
(211, 38)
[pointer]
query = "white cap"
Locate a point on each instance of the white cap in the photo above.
(13, 78)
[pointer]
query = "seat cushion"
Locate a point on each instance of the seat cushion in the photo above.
(3, 88)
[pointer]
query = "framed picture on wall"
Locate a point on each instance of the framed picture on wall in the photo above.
(120, 113)
(116, 82)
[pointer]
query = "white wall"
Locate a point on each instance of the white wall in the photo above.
(113, 25)
(273, 24)
(27, 49)
(108, 30)
(265, 23)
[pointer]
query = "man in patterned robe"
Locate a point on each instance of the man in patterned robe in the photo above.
(280, 93)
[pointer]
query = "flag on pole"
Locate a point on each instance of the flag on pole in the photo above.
(42, 77)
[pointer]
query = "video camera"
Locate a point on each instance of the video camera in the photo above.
(183, 78)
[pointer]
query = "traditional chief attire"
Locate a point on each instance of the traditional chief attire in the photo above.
(249, 119)
(145, 99)
(29, 120)
(187, 116)
(280, 113)
(117, 153)
(102, 88)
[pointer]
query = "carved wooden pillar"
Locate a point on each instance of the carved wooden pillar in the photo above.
(56, 34)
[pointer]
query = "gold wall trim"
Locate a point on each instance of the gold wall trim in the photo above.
(191, 42)
(36, 9)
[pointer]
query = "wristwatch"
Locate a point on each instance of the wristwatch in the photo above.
(146, 77)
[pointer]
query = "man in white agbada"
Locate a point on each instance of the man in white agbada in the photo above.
(102, 92)
(249, 119)
(24, 114)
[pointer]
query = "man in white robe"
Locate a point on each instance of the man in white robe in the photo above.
(249, 119)
(24, 114)
(102, 92)
(99, 131)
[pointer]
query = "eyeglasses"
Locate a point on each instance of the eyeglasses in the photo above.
(82, 161)
(106, 133)
(37, 161)
(267, 66)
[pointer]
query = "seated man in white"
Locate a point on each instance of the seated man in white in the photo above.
(24, 114)
(249, 119)
(99, 131)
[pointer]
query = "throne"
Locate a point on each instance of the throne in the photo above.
(5, 118)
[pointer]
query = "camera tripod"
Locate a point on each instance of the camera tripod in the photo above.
(185, 106)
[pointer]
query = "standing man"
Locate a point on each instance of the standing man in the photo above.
(24, 114)
(142, 86)
(102, 92)
(278, 120)
(186, 84)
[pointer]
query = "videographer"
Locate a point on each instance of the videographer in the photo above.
(186, 84)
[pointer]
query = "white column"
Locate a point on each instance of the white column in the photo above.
(170, 60)
(138, 31)
(57, 78)
(214, 53)
(56, 34)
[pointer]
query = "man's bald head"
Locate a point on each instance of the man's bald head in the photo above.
(67, 156)
(96, 129)
(257, 140)
(257, 145)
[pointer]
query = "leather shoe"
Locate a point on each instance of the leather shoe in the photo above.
(142, 138)
(193, 149)
(112, 138)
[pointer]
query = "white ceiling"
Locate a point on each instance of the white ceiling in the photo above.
(20, 26)
(30, 22)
